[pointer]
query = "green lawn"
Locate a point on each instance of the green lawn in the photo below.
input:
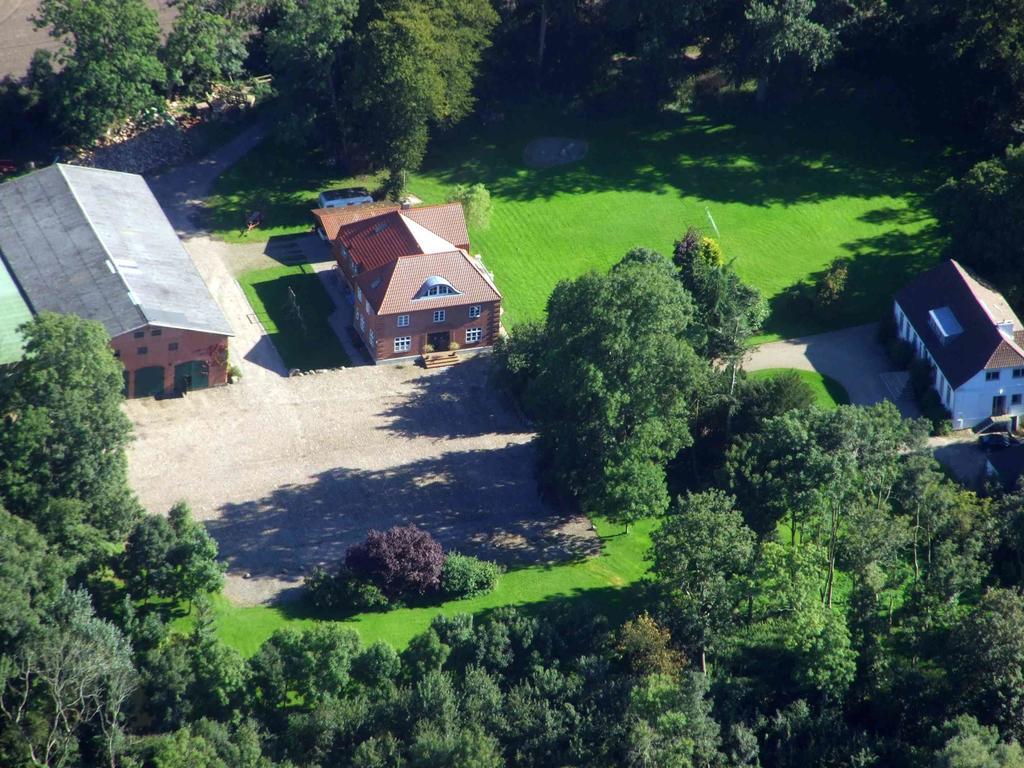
(789, 194)
(603, 581)
(828, 392)
(298, 327)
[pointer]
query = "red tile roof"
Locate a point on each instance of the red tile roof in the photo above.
(392, 288)
(447, 221)
(373, 242)
(397, 250)
(331, 220)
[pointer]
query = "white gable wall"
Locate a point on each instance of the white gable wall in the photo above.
(971, 402)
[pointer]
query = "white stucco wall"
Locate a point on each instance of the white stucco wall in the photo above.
(971, 402)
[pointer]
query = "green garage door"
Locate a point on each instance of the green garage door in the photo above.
(195, 374)
(149, 381)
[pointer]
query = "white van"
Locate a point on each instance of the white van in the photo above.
(339, 198)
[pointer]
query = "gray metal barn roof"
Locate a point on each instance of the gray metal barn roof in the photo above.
(96, 243)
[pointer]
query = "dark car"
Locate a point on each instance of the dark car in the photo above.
(997, 441)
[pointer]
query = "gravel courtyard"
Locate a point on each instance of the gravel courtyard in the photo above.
(287, 473)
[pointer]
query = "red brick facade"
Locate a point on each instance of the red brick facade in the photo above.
(171, 350)
(379, 332)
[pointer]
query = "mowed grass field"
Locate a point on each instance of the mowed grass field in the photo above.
(605, 582)
(789, 194)
(293, 306)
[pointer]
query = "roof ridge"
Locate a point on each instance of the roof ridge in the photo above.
(92, 228)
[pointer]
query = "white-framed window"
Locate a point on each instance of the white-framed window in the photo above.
(367, 305)
(440, 290)
(373, 338)
(439, 315)
(403, 321)
(403, 343)
(362, 323)
(474, 311)
(359, 293)
(991, 375)
(473, 335)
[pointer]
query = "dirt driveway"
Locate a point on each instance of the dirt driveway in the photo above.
(287, 473)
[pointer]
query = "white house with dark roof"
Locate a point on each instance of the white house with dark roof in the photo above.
(972, 338)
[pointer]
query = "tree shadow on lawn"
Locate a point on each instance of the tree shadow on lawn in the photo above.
(299, 326)
(731, 154)
(481, 502)
(878, 267)
(460, 401)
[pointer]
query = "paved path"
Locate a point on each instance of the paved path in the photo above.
(851, 356)
(181, 190)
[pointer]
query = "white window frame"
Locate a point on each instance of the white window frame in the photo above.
(402, 321)
(474, 335)
(440, 315)
(474, 312)
(373, 338)
(359, 293)
(362, 323)
(366, 304)
(403, 343)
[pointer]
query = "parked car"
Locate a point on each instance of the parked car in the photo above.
(996, 441)
(338, 198)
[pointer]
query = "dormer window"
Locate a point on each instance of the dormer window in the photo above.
(435, 287)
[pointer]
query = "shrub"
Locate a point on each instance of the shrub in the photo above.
(321, 589)
(403, 560)
(900, 352)
(935, 411)
(922, 376)
(830, 287)
(466, 576)
(476, 202)
(342, 592)
(356, 594)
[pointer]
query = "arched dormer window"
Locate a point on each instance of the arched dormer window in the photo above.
(435, 286)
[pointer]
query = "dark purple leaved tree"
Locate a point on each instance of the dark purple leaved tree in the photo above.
(401, 561)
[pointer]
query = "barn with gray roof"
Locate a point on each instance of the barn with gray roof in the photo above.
(96, 243)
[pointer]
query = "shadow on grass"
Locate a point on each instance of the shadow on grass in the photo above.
(481, 502)
(459, 401)
(878, 267)
(836, 391)
(731, 153)
(294, 308)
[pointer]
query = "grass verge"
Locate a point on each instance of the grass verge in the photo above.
(293, 306)
(604, 582)
(828, 393)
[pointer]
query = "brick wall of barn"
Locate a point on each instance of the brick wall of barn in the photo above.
(168, 348)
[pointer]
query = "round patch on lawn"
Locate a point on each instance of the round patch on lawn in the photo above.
(551, 151)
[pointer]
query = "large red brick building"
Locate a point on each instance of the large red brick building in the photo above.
(415, 288)
(96, 243)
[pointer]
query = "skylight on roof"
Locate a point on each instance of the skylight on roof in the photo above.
(944, 323)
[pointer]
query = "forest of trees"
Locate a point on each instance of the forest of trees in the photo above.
(821, 594)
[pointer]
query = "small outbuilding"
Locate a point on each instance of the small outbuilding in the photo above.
(96, 243)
